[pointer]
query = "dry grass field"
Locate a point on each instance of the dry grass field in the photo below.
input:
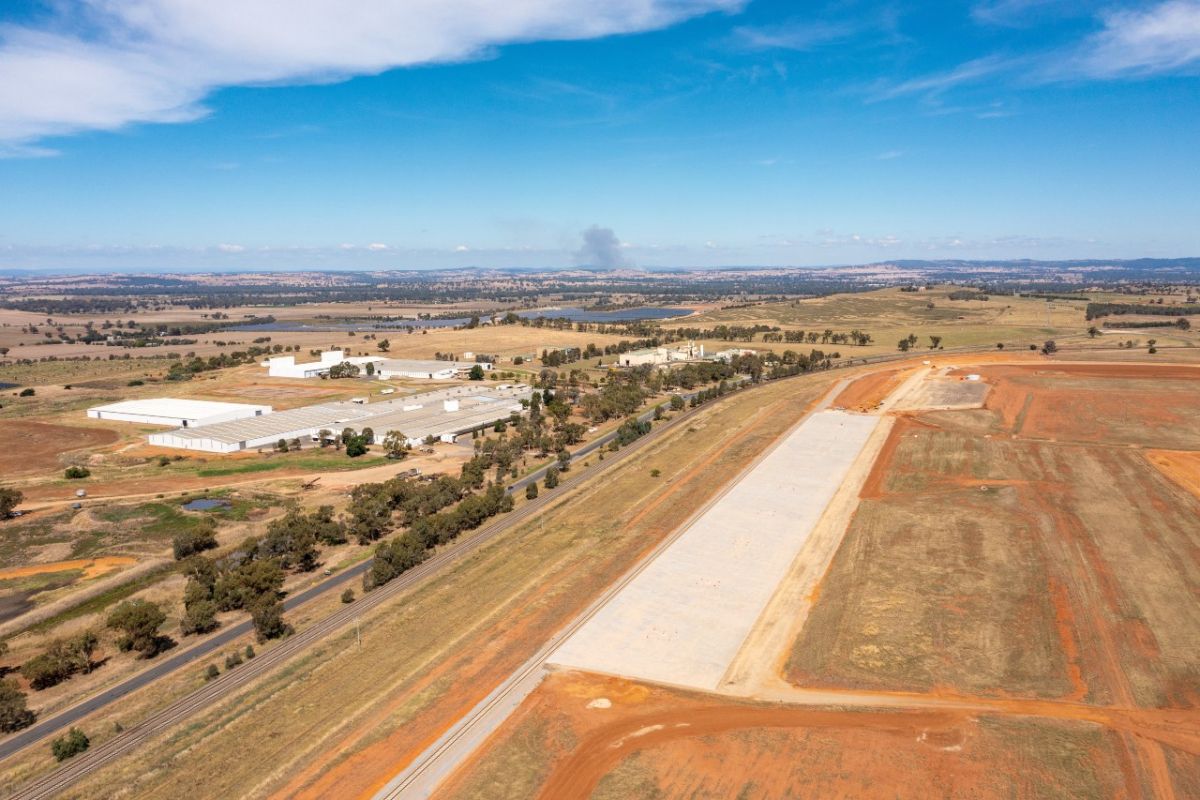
(890, 314)
(353, 715)
(1013, 613)
(1031, 547)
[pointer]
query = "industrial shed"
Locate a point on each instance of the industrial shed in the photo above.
(444, 415)
(429, 370)
(175, 412)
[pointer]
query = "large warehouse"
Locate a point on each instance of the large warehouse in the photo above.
(444, 415)
(176, 413)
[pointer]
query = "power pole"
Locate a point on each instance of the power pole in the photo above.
(358, 632)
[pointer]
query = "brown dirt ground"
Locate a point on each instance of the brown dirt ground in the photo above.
(35, 446)
(580, 736)
(1183, 467)
(374, 763)
(92, 567)
(870, 390)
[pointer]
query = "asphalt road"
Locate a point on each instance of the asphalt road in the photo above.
(54, 782)
(51, 784)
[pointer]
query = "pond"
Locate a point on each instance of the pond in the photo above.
(206, 504)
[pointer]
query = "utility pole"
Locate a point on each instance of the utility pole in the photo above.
(358, 632)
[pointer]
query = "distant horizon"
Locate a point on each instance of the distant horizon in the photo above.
(1175, 261)
(245, 135)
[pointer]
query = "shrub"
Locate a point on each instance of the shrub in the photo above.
(136, 382)
(211, 671)
(250, 652)
(232, 660)
(188, 543)
(348, 596)
(27, 393)
(531, 490)
(74, 473)
(74, 743)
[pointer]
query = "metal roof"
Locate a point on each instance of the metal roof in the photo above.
(176, 408)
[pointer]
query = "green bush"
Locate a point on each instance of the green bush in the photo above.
(74, 743)
(74, 473)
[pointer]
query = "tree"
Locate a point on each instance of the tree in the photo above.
(211, 672)
(935, 342)
(356, 447)
(62, 659)
(9, 500)
(13, 712)
(903, 345)
(1183, 324)
(267, 615)
(677, 402)
(383, 345)
(476, 373)
(551, 476)
(564, 460)
(1049, 347)
(531, 490)
(1093, 332)
(324, 436)
(139, 621)
(76, 472)
(348, 596)
(282, 445)
(189, 542)
(395, 444)
(74, 743)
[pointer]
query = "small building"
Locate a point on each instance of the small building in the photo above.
(286, 366)
(176, 413)
(427, 370)
(661, 355)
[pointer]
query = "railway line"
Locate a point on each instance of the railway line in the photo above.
(53, 783)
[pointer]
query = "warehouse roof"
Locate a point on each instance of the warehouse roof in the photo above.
(424, 416)
(175, 408)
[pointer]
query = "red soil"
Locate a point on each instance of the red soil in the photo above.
(870, 390)
(35, 446)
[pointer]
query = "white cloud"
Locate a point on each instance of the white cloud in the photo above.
(888, 155)
(462, 248)
(231, 248)
(1158, 40)
(377, 247)
(792, 35)
(103, 64)
(1164, 38)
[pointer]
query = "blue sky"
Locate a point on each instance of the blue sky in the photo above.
(181, 134)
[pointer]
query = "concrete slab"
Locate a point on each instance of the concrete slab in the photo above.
(683, 619)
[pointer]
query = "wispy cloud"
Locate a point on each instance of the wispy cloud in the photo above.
(796, 35)
(889, 155)
(103, 64)
(1159, 40)
(1140, 43)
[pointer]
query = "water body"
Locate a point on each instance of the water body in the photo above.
(572, 313)
(206, 504)
(4, 386)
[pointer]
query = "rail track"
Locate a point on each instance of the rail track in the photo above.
(53, 783)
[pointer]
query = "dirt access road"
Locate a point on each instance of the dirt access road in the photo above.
(423, 775)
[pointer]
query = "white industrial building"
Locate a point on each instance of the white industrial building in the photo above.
(428, 370)
(444, 414)
(175, 412)
(286, 366)
(662, 355)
